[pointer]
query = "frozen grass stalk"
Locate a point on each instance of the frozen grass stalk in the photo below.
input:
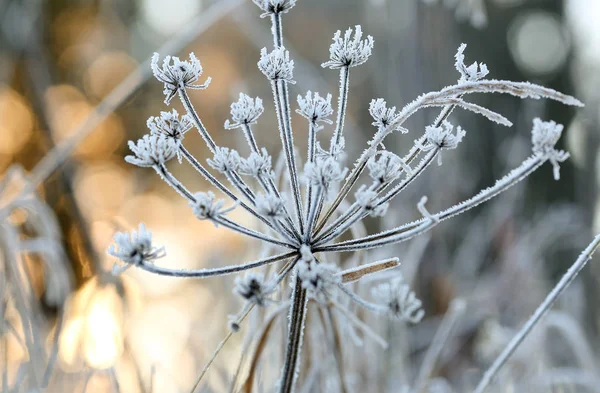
(304, 238)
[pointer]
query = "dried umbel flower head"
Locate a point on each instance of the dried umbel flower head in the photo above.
(385, 118)
(244, 111)
(257, 164)
(366, 199)
(152, 150)
(270, 7)
(270, 206)
(385, 168)
(225, 160)
(401, 303)
(253, 288)
(324, 173)
(276, 65)
(135, 247)
(170, 125)
(207, 206)
(178, 75)
(348, 51)
(316, 222)
(315, 108)
(443, 138)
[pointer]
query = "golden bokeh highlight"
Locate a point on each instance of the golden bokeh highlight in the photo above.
(101, 188)
(68, 112)
(107, 71)
(17, 121)
(93, 334)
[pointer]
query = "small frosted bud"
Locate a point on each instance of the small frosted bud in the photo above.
(366, 200)
(257, 164)
(135, 247)
(400, 302)
(384, 117)
(225, 160)
(152, 150)
(206, 206)
(178, 75)
(244, 111)
(385, 168)
(544, 136)
(274, 6)
(276, 65)
(315, 108)
(270, 206)
(324, 173)
(348, 51)
(253, 288)
(472, 73)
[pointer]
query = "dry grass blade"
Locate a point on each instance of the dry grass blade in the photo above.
(356, 273)
(260, 346)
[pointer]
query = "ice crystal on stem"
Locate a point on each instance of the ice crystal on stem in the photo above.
(305, 242)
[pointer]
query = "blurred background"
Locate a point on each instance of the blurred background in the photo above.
(75, 74)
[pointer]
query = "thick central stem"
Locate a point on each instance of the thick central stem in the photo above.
(294, 341)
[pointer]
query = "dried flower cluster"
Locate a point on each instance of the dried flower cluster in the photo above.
(306, 222)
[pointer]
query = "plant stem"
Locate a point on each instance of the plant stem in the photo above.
(294, 342)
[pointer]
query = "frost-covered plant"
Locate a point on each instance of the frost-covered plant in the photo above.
(305, 223)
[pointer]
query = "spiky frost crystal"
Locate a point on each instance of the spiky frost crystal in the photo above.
(304, 231)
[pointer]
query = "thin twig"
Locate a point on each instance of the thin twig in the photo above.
(543, 308)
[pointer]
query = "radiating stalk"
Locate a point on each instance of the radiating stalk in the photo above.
(342, 105)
